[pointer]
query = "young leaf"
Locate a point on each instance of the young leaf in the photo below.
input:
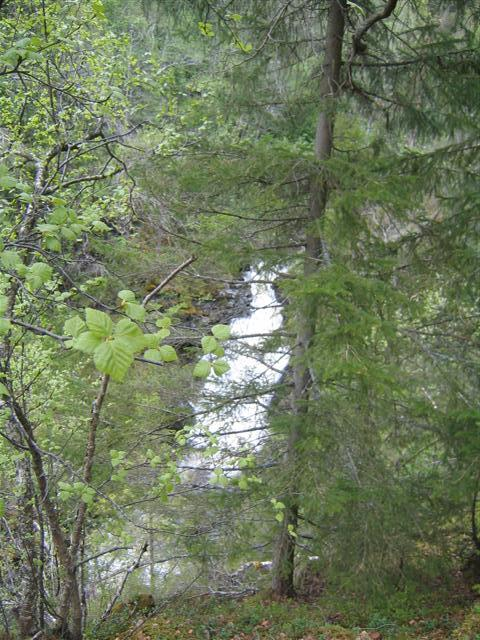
(3, 390)
(98, 323)
(168, 353)
(126, 295)
(221, 331)
(209, 344)
(87, 342)
(151, 340)
(38, 274)
(100, 227)
(53, 244)
(130, 333)
(112, 358)
(202, 369)
(8, 182)
(69, 234)
(58, 216)
(220, 367)
(11, 259)
(73, 327)
(5, 326)
(135, 311)
(48, 228)
(153, 354)
(206, 29)
(163, 323)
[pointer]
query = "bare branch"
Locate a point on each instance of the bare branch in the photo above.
(164, 282)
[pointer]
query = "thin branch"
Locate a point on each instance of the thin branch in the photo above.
(40, 331)
(164, 282)
(102, 553)
(129, 571)
(91, 178)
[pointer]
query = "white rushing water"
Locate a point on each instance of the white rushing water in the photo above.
(239, 417)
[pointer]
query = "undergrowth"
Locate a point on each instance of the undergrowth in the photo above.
(428, 614)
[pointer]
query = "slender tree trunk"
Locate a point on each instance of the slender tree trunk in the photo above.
(27, 611)
(59, 537)
(315, 257)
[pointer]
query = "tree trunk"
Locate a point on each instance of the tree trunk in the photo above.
(315, 256)
(27, 610)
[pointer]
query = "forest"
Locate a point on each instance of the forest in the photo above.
(239, 319)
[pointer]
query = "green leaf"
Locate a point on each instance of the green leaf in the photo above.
(279, 516)
(98, 9)
(48, 228)
(38, 274)
(3, 390)
(58, 216)
(153, 354)
(99, 323)
(202, 369)
(162, 334)
(77, 228)
(3, 304)
(5, 326)
(220, 367)
(151, 340)
(100, 227)
(8, 182)
(73, 327)
(53, 244)
(206, 29)
(126, 295)
(2, 507)
(87, 342)
(69, 234)
(135, 311)
(164, 323)
(221, 331)
(11, 259)
(113, 358)
(88, 495)
(130, 333)
(209, 344)
(168, 353)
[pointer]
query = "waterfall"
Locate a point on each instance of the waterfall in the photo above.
(239, 417)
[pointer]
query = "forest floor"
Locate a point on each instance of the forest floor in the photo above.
(434, 615)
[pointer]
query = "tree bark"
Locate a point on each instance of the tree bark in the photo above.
(27, 611)
(315, 256)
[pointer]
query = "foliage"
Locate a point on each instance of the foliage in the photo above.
(135, 135)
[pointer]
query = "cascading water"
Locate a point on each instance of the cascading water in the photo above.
(234, 407)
